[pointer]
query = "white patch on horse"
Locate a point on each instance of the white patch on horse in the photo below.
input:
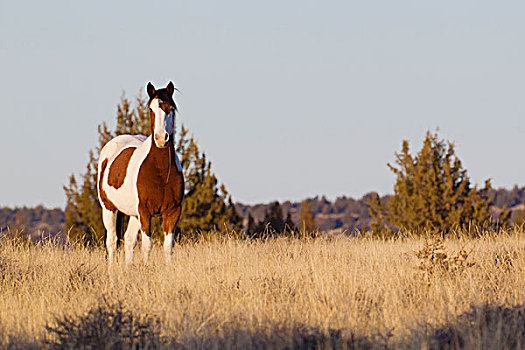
(130, 237)
(126, 197)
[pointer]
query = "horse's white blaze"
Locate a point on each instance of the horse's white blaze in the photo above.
(163, 123)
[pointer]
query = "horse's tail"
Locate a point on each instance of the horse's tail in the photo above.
(119, 227)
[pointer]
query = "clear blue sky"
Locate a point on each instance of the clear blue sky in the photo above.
(289, 99)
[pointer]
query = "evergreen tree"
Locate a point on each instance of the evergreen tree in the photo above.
(432, 192)
(289, 225)
(251, 226)
(235, 220)
(504, 218)
(307, 220)
(206, 205)
(378, 210)
(274, 222)
(275, 217)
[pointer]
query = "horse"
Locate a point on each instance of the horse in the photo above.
(142, 177)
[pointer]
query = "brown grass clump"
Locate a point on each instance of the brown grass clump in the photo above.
(286, 293)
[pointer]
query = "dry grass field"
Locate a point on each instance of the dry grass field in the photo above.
(338, 293)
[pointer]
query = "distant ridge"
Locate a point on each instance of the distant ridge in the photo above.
(34, 221)
(342, 215)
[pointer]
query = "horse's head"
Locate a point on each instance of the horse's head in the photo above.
(162, 114)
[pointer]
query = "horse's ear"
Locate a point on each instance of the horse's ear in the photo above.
(151, 90)
(170, 88)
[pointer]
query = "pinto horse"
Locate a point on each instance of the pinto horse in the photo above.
(142, 177)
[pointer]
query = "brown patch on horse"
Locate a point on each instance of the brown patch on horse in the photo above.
(119, 168)
(103, 196)
(169, 220)
(160, 186)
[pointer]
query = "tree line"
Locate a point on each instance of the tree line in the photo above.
(432, 192)
(32, 222)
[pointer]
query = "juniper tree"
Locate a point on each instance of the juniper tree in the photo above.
(274, 218)
(432, 192)
(251, 226)
(504, 218)
(289, 225)
(206, 205)
(274, 222)
(306, 218)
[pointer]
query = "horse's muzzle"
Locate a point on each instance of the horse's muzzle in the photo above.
(162, 141)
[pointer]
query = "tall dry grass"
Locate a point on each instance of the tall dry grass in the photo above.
(282, 293)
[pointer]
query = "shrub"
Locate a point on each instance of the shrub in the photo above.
(483, 327)
(108, 325)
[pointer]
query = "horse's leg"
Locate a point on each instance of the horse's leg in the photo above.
(110, 222)
(168, 226)
(130, 238)
(145, 230)
(147, 242)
